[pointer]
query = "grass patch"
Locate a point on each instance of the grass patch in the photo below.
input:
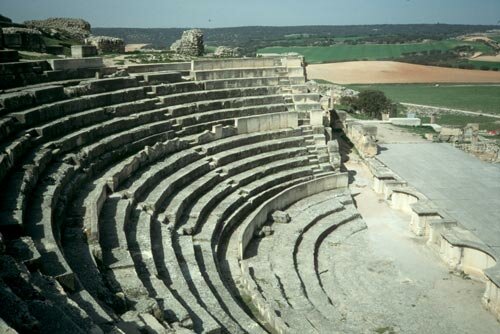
(479, 98)
(481, 65)
(345, 52)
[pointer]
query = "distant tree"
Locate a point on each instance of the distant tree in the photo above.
(373, 103)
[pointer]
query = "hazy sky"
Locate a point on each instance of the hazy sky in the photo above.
(227, 13)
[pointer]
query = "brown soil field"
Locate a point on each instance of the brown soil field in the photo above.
(372, 72)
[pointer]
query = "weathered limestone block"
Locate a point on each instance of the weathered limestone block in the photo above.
(23, 38)
(316, 117)
(190, 44)
(406, 121)
(364, 138)
(281, 217)
(76, 63)
(334, 154)
(491, 297)
(227, 52)
(106, 44)
(83, 51)
(62, 27)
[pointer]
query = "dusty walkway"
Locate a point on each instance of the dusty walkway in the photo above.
(384, 280)
(372, 72)
(469, 189)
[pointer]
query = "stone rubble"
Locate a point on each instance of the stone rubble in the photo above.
(106, 44)
(190, 44)
(69, 27)
(227, 52)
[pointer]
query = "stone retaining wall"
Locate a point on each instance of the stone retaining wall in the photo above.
(267, 122)
(458, 247)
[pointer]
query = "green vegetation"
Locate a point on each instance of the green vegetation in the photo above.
(210, 49)
(479, 98)
(345, 52)
(371, 103)
(485, 65)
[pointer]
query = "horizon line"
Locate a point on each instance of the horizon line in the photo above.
(306, 25)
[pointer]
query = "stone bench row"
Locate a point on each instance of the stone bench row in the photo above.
(294, 83)
(227, 103)
(218, 94)
(146, 235)
(278, 252)
(231, 113)
(178, 205)
(80, 119)
(247, 73)
(190, 269)
(228, 215)
(76, 121)
(86, 136)
(242, 236)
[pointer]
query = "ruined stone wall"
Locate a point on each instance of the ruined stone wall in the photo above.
(226, 52)
(23, 38)
(364, 138)
(190, 44)
(77, 29)
(106, 44)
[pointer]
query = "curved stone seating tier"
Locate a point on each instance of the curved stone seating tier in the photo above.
(238, 63)
(130, 201)
(183, 248)
(184, 112)
(230, 254)
(219, 94)
(251, 72)
(181, 196)
(296, 84)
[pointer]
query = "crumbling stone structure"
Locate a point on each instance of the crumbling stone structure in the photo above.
(23, 38)
(227, 52)
(106, 44)
(190, 44)
(76, 29)
(364, 138)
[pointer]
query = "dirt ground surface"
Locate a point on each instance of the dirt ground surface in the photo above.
(386, 280)
(488, 58)
(372, 72)
(134, 47)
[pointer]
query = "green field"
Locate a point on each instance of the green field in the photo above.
(479, 98)
(479, 64)
(344, 52)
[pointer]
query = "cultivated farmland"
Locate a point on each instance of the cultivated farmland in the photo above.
(479, 98)
(345, 52)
